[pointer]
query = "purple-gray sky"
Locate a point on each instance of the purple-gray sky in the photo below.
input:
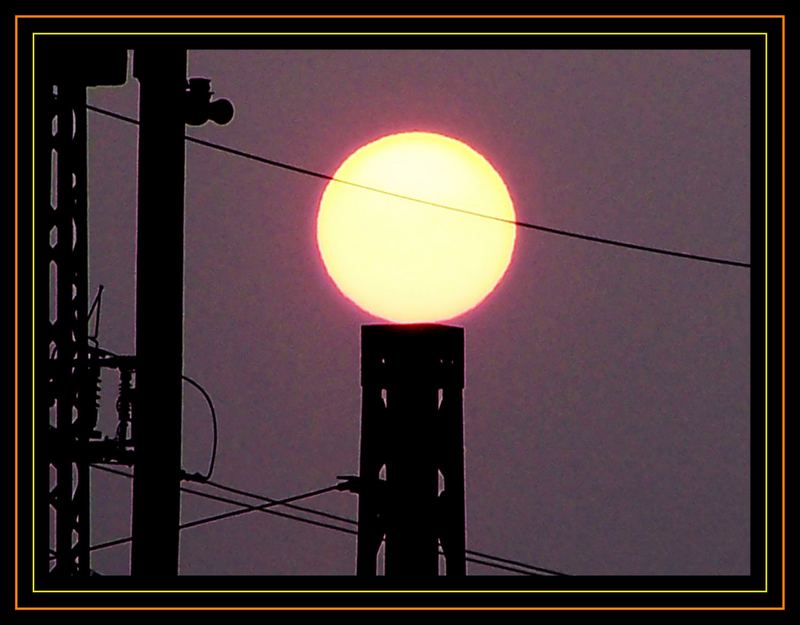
(607, 402)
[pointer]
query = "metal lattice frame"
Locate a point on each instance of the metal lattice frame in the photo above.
(72, 402)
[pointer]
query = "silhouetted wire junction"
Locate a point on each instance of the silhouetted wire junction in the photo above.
(267, 505)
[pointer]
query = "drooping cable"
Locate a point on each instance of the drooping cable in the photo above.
(521, 224)
(207, 475)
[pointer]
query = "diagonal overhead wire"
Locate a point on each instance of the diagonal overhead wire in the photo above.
(520, 224)
(484, 559)
(245, 508)
(314, 511)
(349, 521)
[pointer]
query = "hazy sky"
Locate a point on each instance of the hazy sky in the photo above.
(607, 399)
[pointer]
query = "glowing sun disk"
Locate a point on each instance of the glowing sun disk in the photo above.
(407, 261)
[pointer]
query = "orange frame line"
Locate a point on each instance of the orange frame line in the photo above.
(16, 312)
(407, 608)
(783, 308)
(399, 16)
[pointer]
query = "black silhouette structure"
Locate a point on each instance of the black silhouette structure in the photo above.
(167, 102)
(412, 379)
(149, 405)
(71, 377)
(161, 73)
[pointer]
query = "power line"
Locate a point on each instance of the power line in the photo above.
(207, 476)
(521, 224)
(513, 562)
(245, 509)
(263, 508)
(503, 567)
(342, 519)
(531, 570)
(204, 479)
(309, 510)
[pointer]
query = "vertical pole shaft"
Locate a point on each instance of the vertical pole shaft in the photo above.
(159, 311)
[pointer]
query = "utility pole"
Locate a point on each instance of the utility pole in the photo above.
(412, 377)
(157, 426)
(167, 102)
(67, 441)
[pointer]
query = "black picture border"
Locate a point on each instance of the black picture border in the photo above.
(594, 592)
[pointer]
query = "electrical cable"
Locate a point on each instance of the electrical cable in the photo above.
(197, 477)
(342, 519)
(520, 224)
(248, 508)
(205, 479)
(207, 476)
(502, 567)
(245, 508)
(239, 491)
(532, 570)
(512, 562)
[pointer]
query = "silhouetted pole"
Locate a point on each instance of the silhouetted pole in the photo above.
(161, 72)
(404, 428)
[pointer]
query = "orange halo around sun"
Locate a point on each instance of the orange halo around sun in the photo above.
(406, 261)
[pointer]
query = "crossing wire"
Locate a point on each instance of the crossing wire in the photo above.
(349, 521)
(520, 224)
(245, 508)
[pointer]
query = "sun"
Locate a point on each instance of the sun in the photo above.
(407, 261)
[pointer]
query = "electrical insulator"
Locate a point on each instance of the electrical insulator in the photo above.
(90, 401)
(199, 107)
(124, 401)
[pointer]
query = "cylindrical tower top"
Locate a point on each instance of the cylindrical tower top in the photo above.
(420, 354)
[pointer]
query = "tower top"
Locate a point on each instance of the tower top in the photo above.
(426, 354)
